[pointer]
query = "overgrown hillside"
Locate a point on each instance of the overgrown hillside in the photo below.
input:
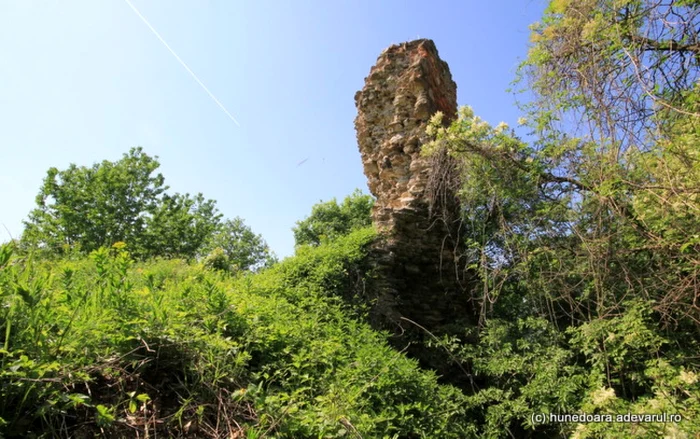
(126, 311)
(109, 347)
(106, 346)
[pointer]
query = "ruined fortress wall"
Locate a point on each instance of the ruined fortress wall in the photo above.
(418, 271)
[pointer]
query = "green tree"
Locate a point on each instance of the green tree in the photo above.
(330, 220)
(607, 193)
(616, 111)
(122, 201)
(590, 230)
(180, 226)
(233, 245)
(96, 206)
(610, 70)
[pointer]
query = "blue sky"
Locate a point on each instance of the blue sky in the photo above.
(84, 81)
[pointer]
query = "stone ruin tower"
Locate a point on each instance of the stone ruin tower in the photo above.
(421, 276)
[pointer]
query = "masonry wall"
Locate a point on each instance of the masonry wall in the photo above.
(420, 273)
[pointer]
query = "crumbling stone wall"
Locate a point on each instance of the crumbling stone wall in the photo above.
(419, 269)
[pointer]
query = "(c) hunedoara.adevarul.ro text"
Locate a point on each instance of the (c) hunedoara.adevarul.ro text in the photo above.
(558, 418)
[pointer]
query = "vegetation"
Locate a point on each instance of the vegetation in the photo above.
(105, 345)
(82, 209)
(330, 220)
(585, 240)
(238, 247)
(126, 311)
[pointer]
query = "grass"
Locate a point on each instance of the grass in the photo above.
(104, 346)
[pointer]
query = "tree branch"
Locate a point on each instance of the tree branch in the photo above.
(665, 46)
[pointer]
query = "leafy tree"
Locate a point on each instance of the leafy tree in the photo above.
(96, 206)
(592, 229)
(180, 226)
(330, 220)
(233, 245)
(616, 111)
(608, 191)
(611, 70)
(122, 201)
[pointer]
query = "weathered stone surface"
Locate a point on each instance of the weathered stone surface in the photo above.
(420, 274)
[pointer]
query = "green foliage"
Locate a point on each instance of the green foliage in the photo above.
(525, 367)
(585, 240)
(330, 220)
(615, 110)
(96, 206)
(106, 345)
(81, 209)
(217, 260)
(179, 226)
(240, 248)
(615, 366)
(584, 244)
(580, 282)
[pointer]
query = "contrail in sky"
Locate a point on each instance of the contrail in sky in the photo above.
(211, 95)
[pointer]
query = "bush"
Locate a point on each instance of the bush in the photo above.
(330, 220)
(106, 345)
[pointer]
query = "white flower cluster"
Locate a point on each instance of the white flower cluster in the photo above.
(602, 396)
